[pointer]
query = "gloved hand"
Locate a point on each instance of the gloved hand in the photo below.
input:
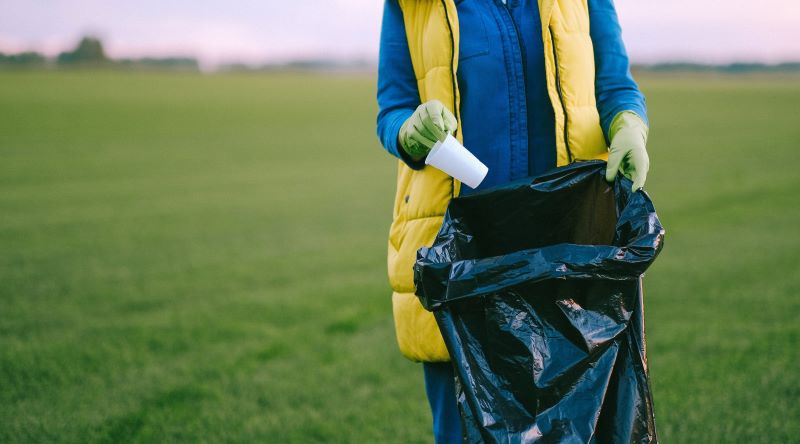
(430, 123)
(628, 154)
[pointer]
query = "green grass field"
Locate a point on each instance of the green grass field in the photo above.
(201, 258)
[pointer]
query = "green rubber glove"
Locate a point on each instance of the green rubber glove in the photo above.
(628, 153)
(430, 123)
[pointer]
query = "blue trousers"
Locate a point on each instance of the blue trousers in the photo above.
(441, 389)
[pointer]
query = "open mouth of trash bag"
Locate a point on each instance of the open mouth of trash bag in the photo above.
(536, 287)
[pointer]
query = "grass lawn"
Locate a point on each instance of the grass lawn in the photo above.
(201, 258)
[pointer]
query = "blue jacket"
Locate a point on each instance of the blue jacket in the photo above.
(501, 73)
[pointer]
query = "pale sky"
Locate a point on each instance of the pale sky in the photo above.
(256, 31)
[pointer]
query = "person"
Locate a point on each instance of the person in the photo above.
(526, 86)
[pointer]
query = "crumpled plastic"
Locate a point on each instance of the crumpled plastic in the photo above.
(537, 289)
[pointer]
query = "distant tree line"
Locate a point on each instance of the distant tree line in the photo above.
(306, 65)
(732, 68)
(90, 53)
(328, 65)
(28, 58)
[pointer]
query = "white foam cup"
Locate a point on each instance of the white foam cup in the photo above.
(451, 157)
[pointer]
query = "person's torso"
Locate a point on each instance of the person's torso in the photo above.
(506, 115)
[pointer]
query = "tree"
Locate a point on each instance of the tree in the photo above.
(89, 50)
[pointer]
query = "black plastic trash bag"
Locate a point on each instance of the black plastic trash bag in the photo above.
(536, 287)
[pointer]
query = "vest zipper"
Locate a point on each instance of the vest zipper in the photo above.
(456, 111)
(561, 97)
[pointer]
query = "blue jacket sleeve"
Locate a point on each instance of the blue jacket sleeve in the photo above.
(615, 89)
(398, 95)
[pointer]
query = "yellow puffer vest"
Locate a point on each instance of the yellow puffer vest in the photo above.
(423, 195)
